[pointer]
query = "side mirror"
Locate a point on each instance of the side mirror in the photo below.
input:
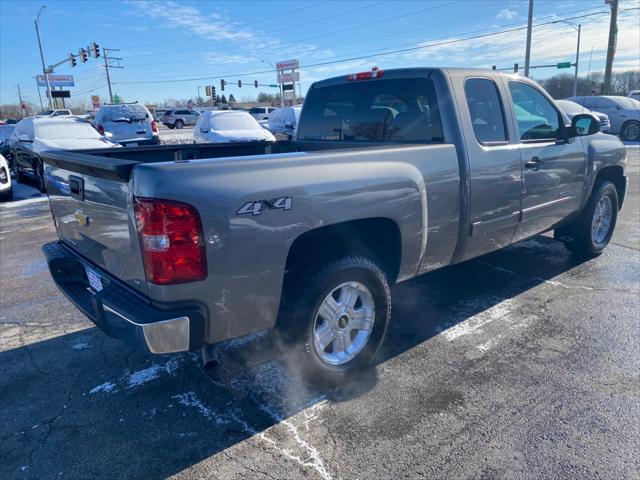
(24, 138)
(584, 124)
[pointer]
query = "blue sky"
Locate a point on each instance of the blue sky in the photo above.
(170, 47)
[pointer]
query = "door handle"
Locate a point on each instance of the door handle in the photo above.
(533, 164)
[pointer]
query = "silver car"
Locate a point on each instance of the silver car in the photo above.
(623, 112)
(180, 117)
(129, 124)
(572, 109)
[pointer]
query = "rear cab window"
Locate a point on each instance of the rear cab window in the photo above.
(486, 111)
(394, 110)
(126, 113)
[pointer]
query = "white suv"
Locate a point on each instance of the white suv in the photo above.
(129, 124)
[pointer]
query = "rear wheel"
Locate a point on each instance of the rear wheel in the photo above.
(591, 232)
(630, 131)
(170, 126)
(179, 124)
(337, 319)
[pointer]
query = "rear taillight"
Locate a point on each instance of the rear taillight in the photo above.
(100, 129)
(171, 240)
(374, 73)
(154, 129)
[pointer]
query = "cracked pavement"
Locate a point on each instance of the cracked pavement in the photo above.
(524, 363)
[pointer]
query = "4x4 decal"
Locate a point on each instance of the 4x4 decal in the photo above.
(257, 207)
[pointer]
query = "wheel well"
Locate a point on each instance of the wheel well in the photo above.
(615, 175)
(375, 238)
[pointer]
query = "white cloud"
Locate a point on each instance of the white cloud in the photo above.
(506, 14)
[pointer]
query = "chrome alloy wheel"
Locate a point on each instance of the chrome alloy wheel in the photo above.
(601, 222)
(343, 323)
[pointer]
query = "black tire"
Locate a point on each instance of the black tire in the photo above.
(170, 127)
(630, 131)
(20, 177)
(7, 195)
(179, 124)
(578, 236)
(304, 295)
(40, 182)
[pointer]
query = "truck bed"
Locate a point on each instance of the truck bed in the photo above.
(117, 164)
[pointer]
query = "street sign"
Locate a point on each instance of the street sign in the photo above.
(60, 94)
(288, 65)
(288, 86)
(564, 65)
(56, 81)
(274, 86)
(289, 77)
(95, 102)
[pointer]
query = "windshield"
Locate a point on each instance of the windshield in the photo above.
(571, 107)
(257, 110)
(125, 113)
(5, 132)
(65, 130)
(233, 121)
(400, 110)
(626, 102)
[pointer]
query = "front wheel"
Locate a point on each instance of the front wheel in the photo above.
(170, 126)
(179, 124)
(338, 319)
(40, 178)
(630, 131)
(591, 232)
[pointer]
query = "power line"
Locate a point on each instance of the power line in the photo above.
(192, 60)
(373, 54)
(269, 32)
(278, 15)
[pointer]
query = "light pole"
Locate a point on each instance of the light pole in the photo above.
(577, 29)
(199, 87)
(44, 69)
(278, 80)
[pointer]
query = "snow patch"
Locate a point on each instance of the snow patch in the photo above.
(141, 377)
(80, 346)
(190, 399)
(105, 387)
(477, 321)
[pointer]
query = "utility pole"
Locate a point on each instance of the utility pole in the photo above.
(575, 78)
(107, 66)
(527, 55)
(44, 69)
(20, 100)
(39, 96)
(611, 49)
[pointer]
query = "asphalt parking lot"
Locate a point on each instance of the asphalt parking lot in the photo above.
(524, 363)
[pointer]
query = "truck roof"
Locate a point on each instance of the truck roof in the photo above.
(421, 72)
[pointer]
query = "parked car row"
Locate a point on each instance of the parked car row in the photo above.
(623, 113)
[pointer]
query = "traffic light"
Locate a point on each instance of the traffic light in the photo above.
(96, 49)
(213, 91)
(83, 55)
(255, 83)
(239, 83)
(207, 90)
(222, 84)
(72, 60)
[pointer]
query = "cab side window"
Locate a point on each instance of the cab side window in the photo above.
(538, 120)
(485, 109)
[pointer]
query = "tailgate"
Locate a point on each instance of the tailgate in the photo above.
(91, 209)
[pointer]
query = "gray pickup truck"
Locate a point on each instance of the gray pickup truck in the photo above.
(392, 174)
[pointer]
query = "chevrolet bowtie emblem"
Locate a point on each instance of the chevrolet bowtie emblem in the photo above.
(81, 217)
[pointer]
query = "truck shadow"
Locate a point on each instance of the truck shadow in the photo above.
(86, 405)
